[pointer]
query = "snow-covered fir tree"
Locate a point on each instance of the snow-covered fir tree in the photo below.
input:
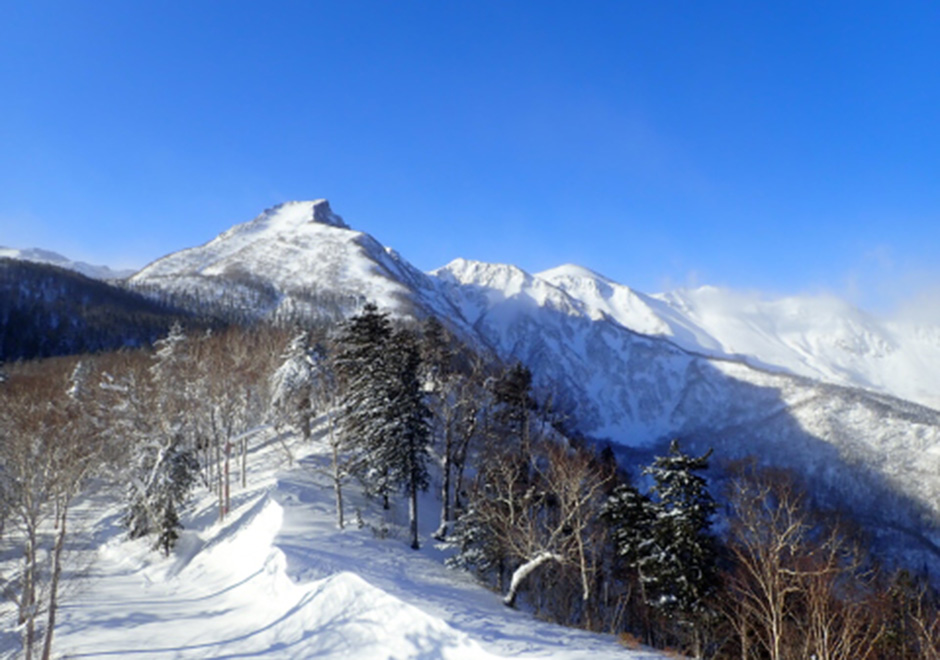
(168, 374)
(405, 450)
(292, 385)
(163, 477)
(630, 516)
(162, 464)
(363, 365)
(679, 571)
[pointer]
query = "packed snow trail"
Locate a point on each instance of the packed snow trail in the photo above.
(278, 580)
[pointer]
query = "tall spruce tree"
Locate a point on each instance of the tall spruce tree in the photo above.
(512, 392)
(680, 572)
(385, 418)
(405, 450)
(363, 365)
(630, 516)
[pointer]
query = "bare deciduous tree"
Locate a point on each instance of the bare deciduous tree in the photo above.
(51, 446)
(539, 508)
(801, 586)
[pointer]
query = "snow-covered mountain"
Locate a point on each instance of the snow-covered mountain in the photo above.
(37, 255)
(878, 453)
(819, 337)
(291, 261)
(809, 383)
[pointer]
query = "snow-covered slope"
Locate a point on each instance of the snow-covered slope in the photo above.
(278, 580)
(291, 261)
(46, 257)
(819, 337)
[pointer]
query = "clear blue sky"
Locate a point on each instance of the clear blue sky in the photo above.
(786, 147)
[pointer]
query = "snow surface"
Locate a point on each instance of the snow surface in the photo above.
(278, 580)
(47, 257)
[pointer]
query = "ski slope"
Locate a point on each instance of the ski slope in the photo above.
(276, 579)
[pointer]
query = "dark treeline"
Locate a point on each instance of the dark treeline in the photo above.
(245, 299)
(47, 311)
(552, 522)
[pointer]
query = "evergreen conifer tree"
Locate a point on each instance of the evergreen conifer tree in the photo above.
(679, 571)
(161, 481)
(630, 516)
(512, 393)
(363, 364)
(385, 417)
(163, 466)
(292, 384)
(405, 450)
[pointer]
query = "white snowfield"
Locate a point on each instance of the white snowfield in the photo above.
(278, 580)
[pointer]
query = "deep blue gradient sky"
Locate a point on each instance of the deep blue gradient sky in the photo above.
(785, 147)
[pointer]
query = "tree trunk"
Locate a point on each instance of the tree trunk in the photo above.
(245, 461)
(337, 476)
(54, 586)
(441, 532)
(28, 604)
(744, 641)
(29, 573)
(220, 477)
(385, 504)
(413, 513)
(305, 417)
(228, 453)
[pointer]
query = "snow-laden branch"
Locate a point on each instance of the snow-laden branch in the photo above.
(521, 573)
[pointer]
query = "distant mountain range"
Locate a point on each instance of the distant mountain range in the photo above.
(810, 383)
(40, 256)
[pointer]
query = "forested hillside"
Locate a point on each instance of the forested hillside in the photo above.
(46, 310)
(412, 425)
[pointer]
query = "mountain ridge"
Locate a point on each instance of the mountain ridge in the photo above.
(41, 256)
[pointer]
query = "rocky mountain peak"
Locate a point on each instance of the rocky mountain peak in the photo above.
(323, 214)
(317, 211)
